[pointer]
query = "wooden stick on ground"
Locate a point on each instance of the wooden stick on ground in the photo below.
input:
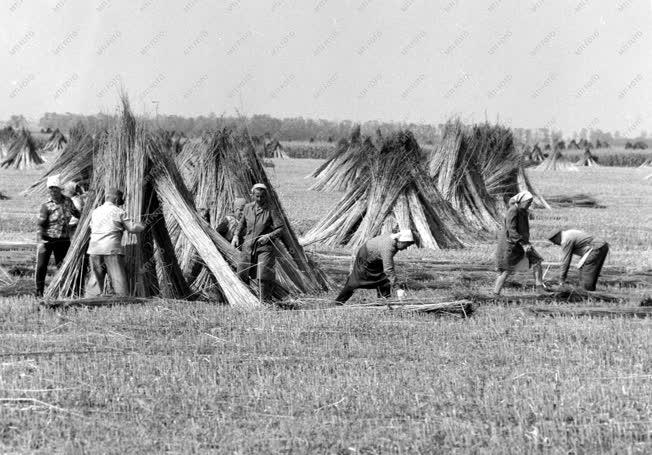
(640, 312)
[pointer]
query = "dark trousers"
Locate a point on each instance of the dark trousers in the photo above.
(43, 253)
(259, 266)
(384, 290)
(591, 269)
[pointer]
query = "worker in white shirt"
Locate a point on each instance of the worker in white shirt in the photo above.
(107, 255)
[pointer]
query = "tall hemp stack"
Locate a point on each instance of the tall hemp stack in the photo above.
(56, 143)
(75, 162)
(588, 159)
(396, 193)
(132, 159)
(7, 136)
(22, 153)
(349, 162)
(556, 161)
(457, 171)
(225, 167)
(502, 166)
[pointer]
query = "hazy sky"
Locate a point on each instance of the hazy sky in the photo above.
(565, 64)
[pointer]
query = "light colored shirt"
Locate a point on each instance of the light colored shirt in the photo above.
(383, 248)
(575, 242)
(78, 202)
(108, 222)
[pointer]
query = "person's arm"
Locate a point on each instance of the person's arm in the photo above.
(567, 250)
(240, 230)
(42, 221)
(74, 210)
(387, 255)
(131, 226)
(134, 227)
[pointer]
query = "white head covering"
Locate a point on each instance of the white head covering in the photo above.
(54, 180)
(404, 236)
(523, 196)
(258, 186)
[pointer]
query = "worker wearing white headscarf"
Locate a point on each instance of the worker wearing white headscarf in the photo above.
(514, 252)
(374, 265)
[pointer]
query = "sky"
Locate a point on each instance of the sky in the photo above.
(560, 64)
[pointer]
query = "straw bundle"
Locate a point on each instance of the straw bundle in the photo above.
(22, 153)
(169, 187)
(395, 194)
(456, 166)
(56, 143)
(556, 162)
(7, 136)
(274, 149)
(348, 164)
(133, 159)
(503, 167)
(75, 162)
(588, 159)
(225, 167)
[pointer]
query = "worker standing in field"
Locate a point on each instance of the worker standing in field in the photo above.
(229, 224)
(107, 255)
(259, 226)
(373, 267)
(592, 252)
(514, 252)
(54, 234)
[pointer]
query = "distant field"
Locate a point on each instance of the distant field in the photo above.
(196, 377)
(615, 156)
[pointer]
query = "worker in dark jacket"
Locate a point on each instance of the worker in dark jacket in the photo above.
(54, 230)
(374, 265)
(258, 228)
(592, 254)
(514, 252)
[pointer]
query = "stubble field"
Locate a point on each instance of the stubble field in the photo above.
(197, 378)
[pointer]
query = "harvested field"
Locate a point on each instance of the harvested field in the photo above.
(163, 375)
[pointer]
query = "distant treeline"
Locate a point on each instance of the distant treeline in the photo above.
(302, 129)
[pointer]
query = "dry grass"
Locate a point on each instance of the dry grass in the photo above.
(197, 377)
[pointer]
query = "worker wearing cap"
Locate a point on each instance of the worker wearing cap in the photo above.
(374, 265)
(107, 255)
(257, 229)
(54, 234)
(592, 252)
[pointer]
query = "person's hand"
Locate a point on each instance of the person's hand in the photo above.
(235, 242)
(263, 239)
(527, 247)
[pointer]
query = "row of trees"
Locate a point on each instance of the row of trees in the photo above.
(301, 129)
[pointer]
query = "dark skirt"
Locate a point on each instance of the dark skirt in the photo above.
(590, 270)
(509, 255)
(367, 274)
